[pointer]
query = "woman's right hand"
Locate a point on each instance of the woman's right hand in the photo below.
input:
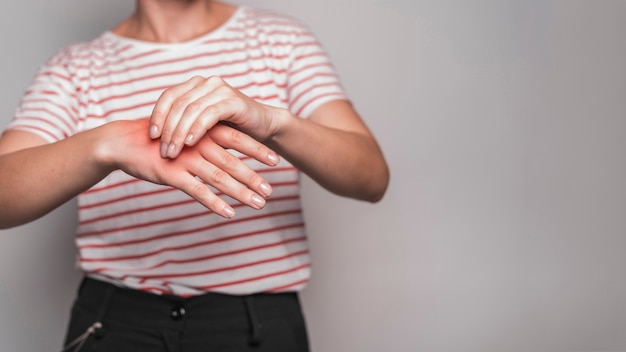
(127, 146)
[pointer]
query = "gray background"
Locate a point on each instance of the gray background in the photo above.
(504, 228)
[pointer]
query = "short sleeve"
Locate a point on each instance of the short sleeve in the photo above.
(312, 80)
(49, 107)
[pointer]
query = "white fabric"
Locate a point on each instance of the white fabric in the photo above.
(155, 238)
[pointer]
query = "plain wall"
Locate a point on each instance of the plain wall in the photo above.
(504, 227)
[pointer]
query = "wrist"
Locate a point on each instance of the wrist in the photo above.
(279, 124)
(104, 145)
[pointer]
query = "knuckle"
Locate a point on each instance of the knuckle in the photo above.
(259, 148)
(194, 108)
(207, 116)
(199, 191)
(196, 79)
(254, 179)
(181, 103)
(168, 93)
(204, 195)
(224, 91)
(219, 176)
(237, 137)
(159, 110)
(215, 81)
(210, 111)
(214, 204)
(230, 161)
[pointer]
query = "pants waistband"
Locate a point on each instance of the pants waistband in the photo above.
(110, 302)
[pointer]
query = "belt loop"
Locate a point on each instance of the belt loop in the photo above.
(255, 325)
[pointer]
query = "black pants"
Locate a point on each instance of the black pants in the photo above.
(129, 320)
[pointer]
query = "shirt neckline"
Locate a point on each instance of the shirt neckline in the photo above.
(157, 45)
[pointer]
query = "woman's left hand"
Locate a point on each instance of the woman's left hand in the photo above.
(185, 112)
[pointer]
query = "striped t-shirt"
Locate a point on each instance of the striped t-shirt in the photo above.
(156, 238)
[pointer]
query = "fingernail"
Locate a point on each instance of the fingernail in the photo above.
(171, 150)
(266, 189)
(273, 158)
(229, 212)
(189, 139)
(258, 201)
(154, 131)
(164, 150)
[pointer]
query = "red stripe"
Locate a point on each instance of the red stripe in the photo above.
(120, 61)
(227, 268)
(172, 189)
(62, 120)
(331, 75)
(190, 231)
(31, 128)
(153, 102)
(260, 84)
(138, 210)
(45, 74)
(35, 101)
(123, 109)
(314, 44)
(307, 67)
(199, 259)
(109, 187)
(246, 59)
(197, 244)
(131, 196)
(339, 95)
(147, 53)
(256, 22)
(142, 225)
(128, 95)
(50, 92)
(24, 119)
(256, 278)
(162, 88)
(145, 194)
(157, 290)
(188, 70)
(245, 30)
(288, 286)
(294, 101)
(126, 212)
(269, 98)
(245, 49)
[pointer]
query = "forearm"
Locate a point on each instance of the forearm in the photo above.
(344, 162)
(37, 180)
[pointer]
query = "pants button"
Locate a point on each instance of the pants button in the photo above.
(178, 312)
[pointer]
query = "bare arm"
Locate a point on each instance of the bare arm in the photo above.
(335, 148)
(37, 177)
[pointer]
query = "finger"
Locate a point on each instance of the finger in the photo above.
(241, 172)
(222, 104)
(164, 104)
(183, 133)
(199, 191)
(232, 138)
(183, 112)
(221, 179)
